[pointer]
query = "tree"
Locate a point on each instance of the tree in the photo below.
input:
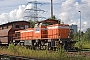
(54, 18)
(76, 36)
(32, 23)
(59, 21)
(71, 34)
(86, 36)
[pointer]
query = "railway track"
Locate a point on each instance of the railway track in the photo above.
(9, 57)
(80, 53)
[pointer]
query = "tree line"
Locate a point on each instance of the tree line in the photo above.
(83, 36)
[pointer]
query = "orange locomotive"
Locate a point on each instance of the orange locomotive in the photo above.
(45, 34)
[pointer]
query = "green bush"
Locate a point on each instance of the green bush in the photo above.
(43, 54)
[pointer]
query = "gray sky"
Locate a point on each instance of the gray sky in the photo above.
(66, 10)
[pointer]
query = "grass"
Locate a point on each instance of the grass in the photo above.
(83, 44)
(40, 54)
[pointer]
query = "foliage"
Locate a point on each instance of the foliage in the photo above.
(77, 36)
(83, 40)
(32, 23)
(87, 35)
(11, 47)
(71, 34)
(54, 18)
(38, 54)
(59, 21)
(42, 54)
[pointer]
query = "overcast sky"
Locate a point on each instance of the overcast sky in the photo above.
(66, 10)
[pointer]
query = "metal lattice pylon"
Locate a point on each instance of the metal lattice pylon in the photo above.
(33, 12)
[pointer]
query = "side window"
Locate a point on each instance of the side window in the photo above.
(13, 26)
(2, 28)
(37, 29)
(26, 26)
(17, 26)
(18, 34)
(7, 27)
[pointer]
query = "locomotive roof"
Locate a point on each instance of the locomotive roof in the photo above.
(50, 21)
(9, 23)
